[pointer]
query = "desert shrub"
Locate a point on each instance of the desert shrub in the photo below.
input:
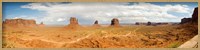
(174, 45)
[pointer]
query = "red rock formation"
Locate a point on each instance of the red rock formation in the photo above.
(96, 24)
(194, 18)
(115, 22)
(73, 23)
(185, 20)
(137, 23)
(195, 15)
(41, 24)
(19, 23)
(191, 24)
(148, 23)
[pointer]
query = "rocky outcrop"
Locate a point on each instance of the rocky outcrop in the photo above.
(41, 24)
(137, 23)
(19, 23)
(96, 24)
(73, 23)
(115, 22)
(194, 18)
(190, 25)
(185, 20)
(148, 23)
(195, 15)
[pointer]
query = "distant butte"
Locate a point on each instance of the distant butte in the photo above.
(115, 22)
(19, 22)
(73, 23)
(96, 24)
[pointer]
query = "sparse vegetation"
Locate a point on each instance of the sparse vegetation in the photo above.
(174, 45)
(102, 37)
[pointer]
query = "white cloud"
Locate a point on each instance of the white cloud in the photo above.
(87, 13)
(60, 19)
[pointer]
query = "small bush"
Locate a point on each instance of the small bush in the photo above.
(174, 45)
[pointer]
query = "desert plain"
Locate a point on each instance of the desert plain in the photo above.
(22, 33)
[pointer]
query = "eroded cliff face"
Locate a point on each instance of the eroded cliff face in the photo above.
(73, 24)
(195, 15)
(193, 19)
(190, 25)
(19, 23)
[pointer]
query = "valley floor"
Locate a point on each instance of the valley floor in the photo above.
(136, 36)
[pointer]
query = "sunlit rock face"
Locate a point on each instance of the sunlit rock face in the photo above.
(73, 23)
(115, 22)
(19, 23)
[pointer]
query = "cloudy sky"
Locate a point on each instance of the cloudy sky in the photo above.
(86, 13)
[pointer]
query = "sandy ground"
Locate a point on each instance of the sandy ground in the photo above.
(94, 37)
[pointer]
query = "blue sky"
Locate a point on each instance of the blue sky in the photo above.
(87, 13)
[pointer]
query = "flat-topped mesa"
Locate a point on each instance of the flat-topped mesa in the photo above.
(96, 24)
(19, 22)
(185, 20)
(137, 23)
(73, 23)
(115, 22)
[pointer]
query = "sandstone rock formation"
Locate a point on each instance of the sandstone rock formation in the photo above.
(115, 22)
(191, 24)
(96, 24)
(73, 23)
(195, 15)
(41, 24)
(185, 20)
(137, 23)
(194, 18)
(19, 23)
(148, 23)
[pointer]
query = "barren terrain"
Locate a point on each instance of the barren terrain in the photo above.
(133, 36)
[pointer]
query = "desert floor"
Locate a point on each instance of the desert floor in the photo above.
(136, 36)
